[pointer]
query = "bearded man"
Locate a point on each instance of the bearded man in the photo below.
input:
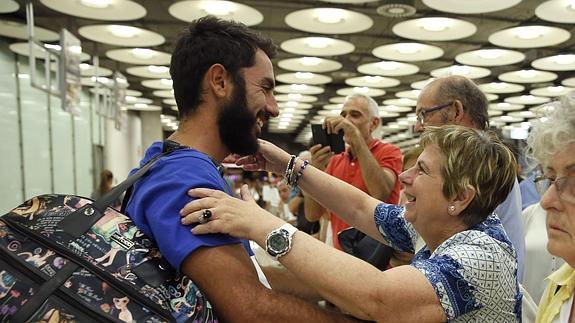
(223, 83)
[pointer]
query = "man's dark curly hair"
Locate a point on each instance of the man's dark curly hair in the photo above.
(208, 41)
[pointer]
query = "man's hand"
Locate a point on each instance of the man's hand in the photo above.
(320, 156)
(336, 124)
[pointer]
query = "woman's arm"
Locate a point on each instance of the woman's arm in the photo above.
(400, 294)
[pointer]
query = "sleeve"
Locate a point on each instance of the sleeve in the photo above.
(390, 157)
(453, 291)
(471, 271)
(165, 194)
(390, 222)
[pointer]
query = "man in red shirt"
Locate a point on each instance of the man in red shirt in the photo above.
(368, 163)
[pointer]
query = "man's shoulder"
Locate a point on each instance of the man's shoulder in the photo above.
(382, 146)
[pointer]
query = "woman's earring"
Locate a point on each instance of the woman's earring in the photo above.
(451, 209)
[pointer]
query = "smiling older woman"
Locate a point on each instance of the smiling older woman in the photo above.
(552, 143)
(466, 272)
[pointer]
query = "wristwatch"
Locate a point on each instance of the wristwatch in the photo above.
(279, 241)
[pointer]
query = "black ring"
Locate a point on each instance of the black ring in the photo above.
(206, 215)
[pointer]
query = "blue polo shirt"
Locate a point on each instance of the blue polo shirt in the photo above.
(158, 197)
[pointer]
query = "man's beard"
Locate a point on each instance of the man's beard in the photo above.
(236, 122)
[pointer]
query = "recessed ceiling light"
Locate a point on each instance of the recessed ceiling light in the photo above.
(304, 75)
(372, 79)
(529, 32)
(527, 74)
(310, 61)
(158, 69)
(218, 8)
(143, 53)
(388, 66)
(96, 3)
(299, 87)
(490, 53)
(84, 66)
(409, 48)
(318, 42)
(435, 24)
(294, 96)
(361, 90)
(123, 31)
(330, 15)
(564, 59)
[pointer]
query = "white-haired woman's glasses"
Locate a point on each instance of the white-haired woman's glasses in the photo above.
(565, 186)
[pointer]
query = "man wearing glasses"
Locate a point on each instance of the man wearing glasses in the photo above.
(457, 100)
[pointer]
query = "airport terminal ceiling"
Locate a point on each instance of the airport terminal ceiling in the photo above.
(522, 52)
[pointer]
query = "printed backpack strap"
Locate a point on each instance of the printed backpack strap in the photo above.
(79, 222)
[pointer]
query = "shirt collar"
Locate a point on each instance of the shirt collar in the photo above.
(565, 275)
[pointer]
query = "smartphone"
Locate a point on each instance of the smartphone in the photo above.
(334, 141)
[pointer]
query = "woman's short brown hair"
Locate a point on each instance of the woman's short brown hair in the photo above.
(475, 158)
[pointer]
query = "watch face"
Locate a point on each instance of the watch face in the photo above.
(277, 243)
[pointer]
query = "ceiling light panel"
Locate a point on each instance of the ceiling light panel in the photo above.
(388, 68)
(527, 99)
(490, 57)
(121, 35)
(150, 71)
(310, 64)
(191, 10)
(299, 88)
(562, 62)
(470, 72)
(527, 76)
(561, 11)
(529, 37)
(372, 81)
(317, 46)
(360, 90)
(470, 6)
(408, 52)
(112, 10)
(303, 78)
(329, 21)
(139, 56)
(18, 30)
(434, 29)
(501, 88)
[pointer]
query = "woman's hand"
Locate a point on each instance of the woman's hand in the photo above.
(239, 218)
(269, 158)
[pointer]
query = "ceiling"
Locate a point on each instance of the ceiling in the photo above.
(284, 21)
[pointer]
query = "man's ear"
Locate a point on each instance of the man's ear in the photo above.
(463, 199)
(217, 80)
(459, 111)
(375, 121)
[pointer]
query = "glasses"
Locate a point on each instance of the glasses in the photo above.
(565, 186)
(423, 112)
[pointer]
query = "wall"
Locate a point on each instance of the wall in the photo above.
(47, 150)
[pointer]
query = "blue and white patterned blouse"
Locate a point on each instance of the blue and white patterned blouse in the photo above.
(474, 273)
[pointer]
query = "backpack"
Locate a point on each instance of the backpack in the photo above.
(67, 258)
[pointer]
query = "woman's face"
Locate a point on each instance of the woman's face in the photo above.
(423, 188)
(560, 206)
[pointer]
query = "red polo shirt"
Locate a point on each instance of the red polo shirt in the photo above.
(346, 167)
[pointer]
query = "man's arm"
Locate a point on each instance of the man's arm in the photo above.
(228, 278)
(282, 280)
(379, 181)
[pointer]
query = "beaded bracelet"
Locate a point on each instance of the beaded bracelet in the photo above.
(300, 173)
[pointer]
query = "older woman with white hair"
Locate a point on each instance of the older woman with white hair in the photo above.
(467, 272)
(552, 144)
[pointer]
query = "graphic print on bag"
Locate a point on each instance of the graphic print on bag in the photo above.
(122, 275)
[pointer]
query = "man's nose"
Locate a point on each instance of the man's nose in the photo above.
(419, 127)
(272, 106)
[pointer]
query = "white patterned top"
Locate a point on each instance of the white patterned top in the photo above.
(474, 273)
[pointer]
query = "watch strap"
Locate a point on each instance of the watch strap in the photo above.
(287, 231)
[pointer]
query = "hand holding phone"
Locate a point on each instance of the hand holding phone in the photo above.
(334, 141)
